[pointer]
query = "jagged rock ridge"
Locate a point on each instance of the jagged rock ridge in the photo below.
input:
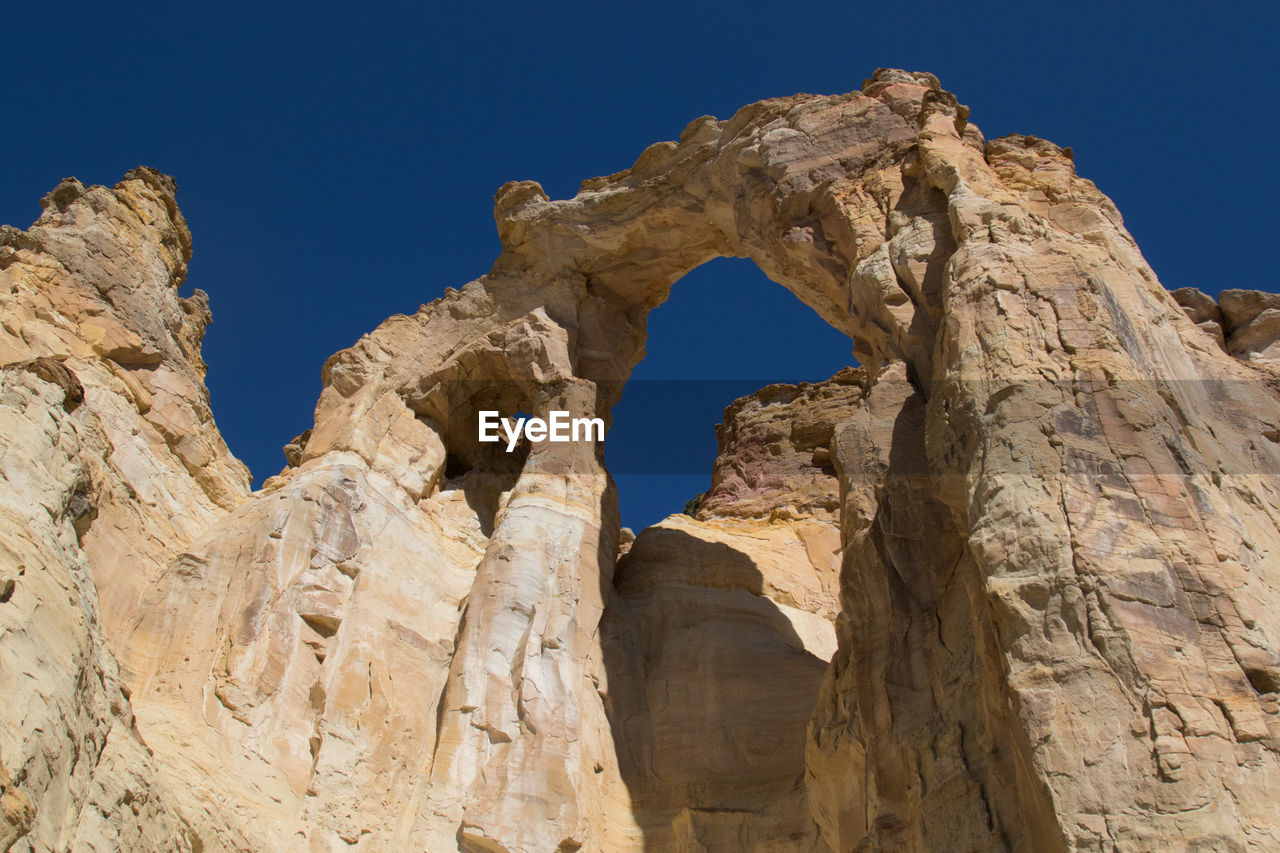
(1011, 586)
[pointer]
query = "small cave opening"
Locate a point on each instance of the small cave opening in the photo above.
(483, 472)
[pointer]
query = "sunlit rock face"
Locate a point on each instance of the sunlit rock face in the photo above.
(1011, 585)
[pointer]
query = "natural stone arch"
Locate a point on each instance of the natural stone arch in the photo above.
(884, 211)
(1095, 511)
(825, 195)
(808, 188)
(892, 218)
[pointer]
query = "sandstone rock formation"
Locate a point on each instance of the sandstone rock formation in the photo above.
(110, 463)
(1246, 323)
(1012, 585)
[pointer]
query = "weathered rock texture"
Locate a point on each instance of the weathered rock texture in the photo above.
(110, 465)
(1012, 585)
(1246, 323)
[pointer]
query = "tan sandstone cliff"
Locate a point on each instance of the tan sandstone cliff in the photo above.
(1011, 585)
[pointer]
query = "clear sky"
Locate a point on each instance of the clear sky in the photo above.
(337, 162)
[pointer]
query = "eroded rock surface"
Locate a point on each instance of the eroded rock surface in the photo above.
(110, 464)
(1246, 323)
(1012, 585)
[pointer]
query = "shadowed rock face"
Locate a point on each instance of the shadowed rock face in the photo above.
(1011, 585)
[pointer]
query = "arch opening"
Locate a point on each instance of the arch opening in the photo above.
(720, 625)
(693, 369)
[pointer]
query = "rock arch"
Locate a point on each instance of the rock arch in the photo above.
(1057, 513)
(1009, 293)
(815, 192)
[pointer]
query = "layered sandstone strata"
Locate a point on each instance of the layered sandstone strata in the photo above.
(1012, 585)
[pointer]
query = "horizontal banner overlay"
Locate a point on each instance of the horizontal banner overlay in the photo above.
(1118, 431)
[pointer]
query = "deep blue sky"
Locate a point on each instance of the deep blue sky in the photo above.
(337, 162)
